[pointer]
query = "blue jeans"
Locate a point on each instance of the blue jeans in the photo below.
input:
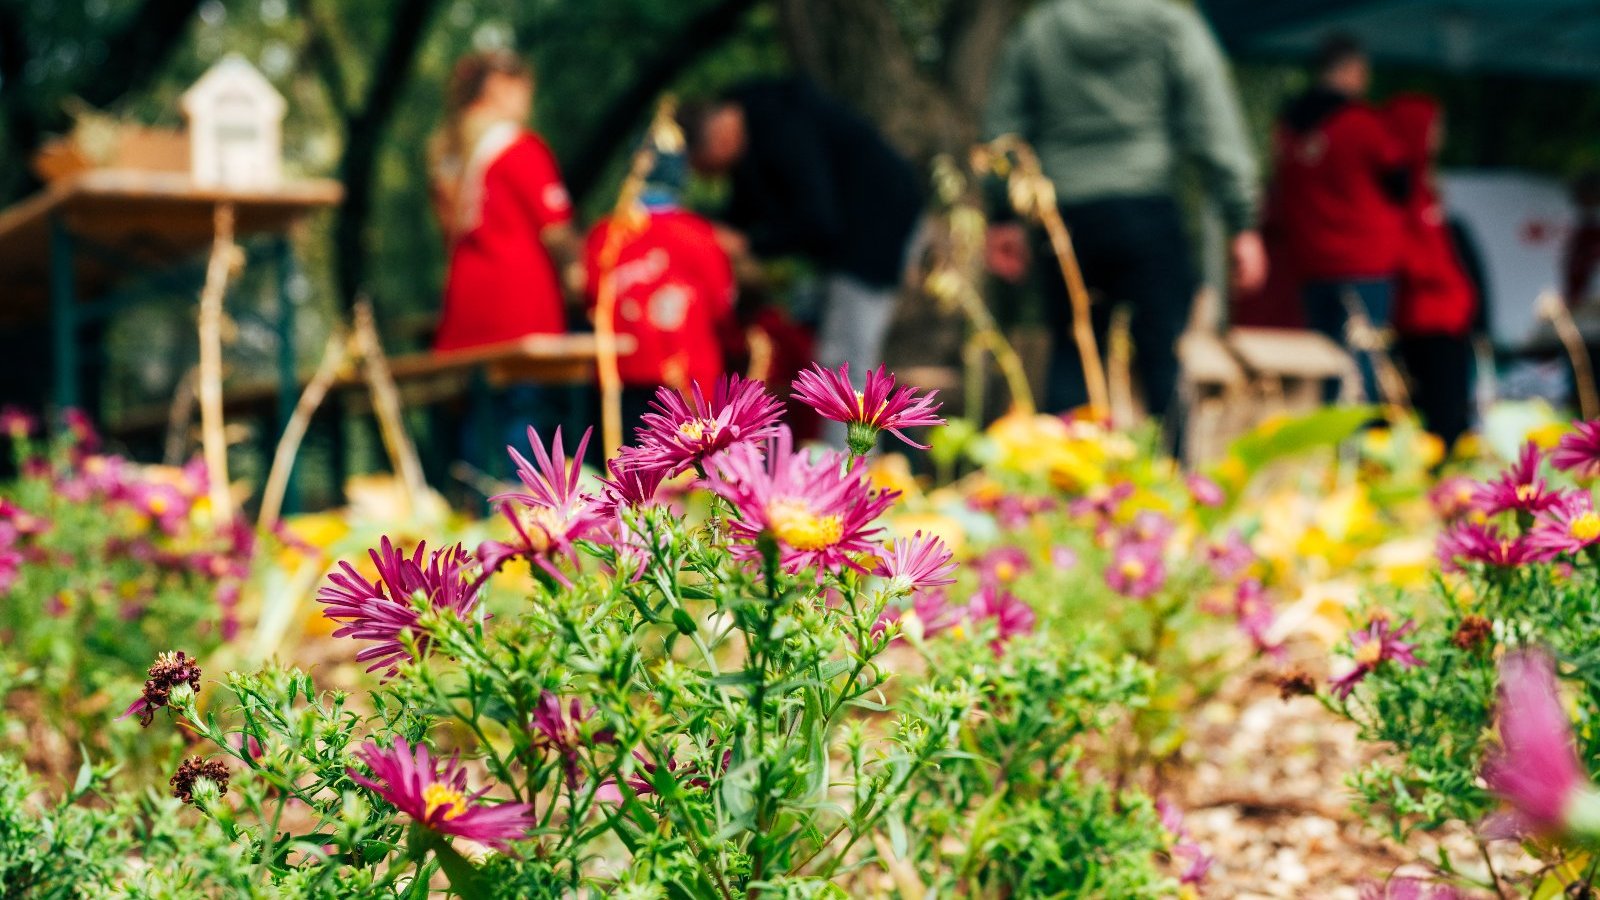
(1326, 312)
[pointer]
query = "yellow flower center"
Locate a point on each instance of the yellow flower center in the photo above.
(1132, 569)
(697, 429)
(541, 523)
(1585, 527)
(959, 631)
(1525, 492)
(795, 524)
(1369, 653)
(442, 796)
(1005, 571)
(158, 505)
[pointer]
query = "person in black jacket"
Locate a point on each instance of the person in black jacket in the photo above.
(810, 178)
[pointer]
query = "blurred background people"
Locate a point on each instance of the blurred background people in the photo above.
(674, 293)
(1435, 301)
(1113, 95)
(1339, 183)
(808, 177)
(507, 222)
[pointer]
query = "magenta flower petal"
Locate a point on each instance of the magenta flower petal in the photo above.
(411, 780)
(1536, 768)
(879, 406)
(382, 611)
(683, 432)
(916, 563)
(1579, 451)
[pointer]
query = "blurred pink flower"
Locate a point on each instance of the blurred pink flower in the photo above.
(879, 406)
(1254, 613)
(1136, 570)
(1485, 543)
(1229, 557)
(1536, 767)
(383, 611)
(1010, 614)
(1003, 565)
(411, 780)
(1101, 502)
(1453, 496)
(1370, 647)
(682, 432)
(1579, 451)
(1203, 491)
(17, 423)
(819, 511)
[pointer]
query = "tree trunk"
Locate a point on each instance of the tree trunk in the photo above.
(697, 36)
(857, 50)
(364, 130)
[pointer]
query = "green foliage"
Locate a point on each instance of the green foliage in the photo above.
(60, 848)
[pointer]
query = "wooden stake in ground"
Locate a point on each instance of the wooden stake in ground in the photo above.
(294, 431)
(387, 407)
(1365, 338)
(1554, 310)
(213, 440)
(1033, 195)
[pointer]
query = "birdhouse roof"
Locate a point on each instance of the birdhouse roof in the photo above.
(233, 73)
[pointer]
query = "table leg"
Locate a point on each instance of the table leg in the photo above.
(288, 382)
(63, 317)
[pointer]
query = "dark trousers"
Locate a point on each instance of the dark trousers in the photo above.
(1133, 251)
(1440, 366)
(1328, 312)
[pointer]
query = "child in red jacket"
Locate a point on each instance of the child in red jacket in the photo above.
(1435, 301)
(674, 294)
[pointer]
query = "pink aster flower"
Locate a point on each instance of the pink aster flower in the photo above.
(1203, 491)
(932, 610)
(1578, 452)
(412, 781)
(1010, 614)
(1193, 859)
(1519, 488)
(550, 515)
(383, 611)
(879, 406)
(1229, 557)
(1012, 511)
(915, 564)
(1370, 647)
(563, 732)
(1453, 497)
(85, 439)
(1254, 614)
(1536, 768)
(634, 481)
(26, 524)
(683, 432)
(819, 510)
(17, 423)
(1136, 570)
(1403, 888)
(1568, 527)
(1486, 544)
(1101, 502)
(1003, 565)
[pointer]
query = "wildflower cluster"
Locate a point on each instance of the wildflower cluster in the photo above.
(697, 698)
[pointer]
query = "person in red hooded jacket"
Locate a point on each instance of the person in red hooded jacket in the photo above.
(1336, 199)
(1435, 301)
(674, 293)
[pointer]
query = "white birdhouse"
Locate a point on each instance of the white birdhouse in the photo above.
(235, 127)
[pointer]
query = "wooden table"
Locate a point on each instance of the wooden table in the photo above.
(63, 251)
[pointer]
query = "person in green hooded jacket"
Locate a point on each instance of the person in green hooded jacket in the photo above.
(1113, 95)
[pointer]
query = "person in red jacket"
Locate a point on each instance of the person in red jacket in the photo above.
(674, 293)
(1335, 200)
(1435, 302)
(507, 224)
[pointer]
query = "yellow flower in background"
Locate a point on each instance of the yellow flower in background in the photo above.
(1546, 436)
(943, 527)
(892, 472)
(1406, 562)
(1348, 514)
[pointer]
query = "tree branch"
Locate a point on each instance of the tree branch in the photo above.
(696, 36)
(138, 49)
(325, 47)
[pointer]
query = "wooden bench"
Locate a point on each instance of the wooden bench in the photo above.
(423, 378)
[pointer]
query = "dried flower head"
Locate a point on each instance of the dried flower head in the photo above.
(1296, 683)
(194, 770)
(1473, 631)
(171, 669)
